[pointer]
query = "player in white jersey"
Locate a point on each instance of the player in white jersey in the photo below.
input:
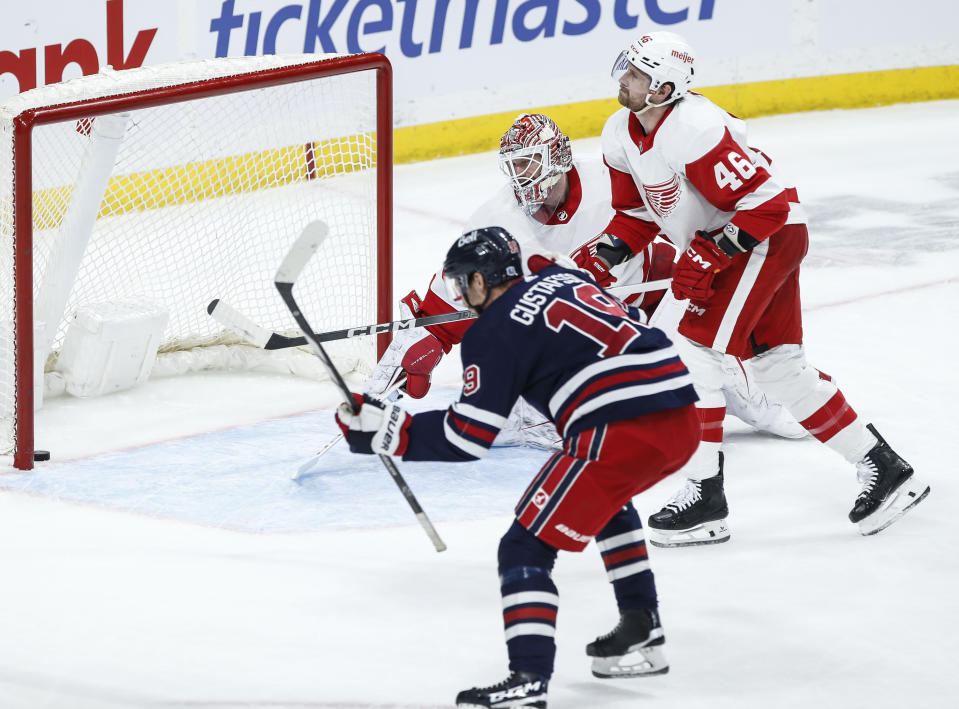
(681, 166)
(553, 204)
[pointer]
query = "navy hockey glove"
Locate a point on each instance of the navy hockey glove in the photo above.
(378, 428)
(694, 272)
(599, 255)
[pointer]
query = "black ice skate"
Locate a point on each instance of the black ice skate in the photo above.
(634, 648)
(695, 515)
(889, 488)
(520, 689)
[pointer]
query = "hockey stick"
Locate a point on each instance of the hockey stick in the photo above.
(307, 467)
(258, 335)
(296, 258)
(644, 287)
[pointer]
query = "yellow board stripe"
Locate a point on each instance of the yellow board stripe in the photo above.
(585, 120)
(258, 170)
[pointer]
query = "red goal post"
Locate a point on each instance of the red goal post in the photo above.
(173, 185)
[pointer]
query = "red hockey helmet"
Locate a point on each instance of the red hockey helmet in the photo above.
(533, 153)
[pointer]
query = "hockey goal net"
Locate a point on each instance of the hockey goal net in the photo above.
(166, 187)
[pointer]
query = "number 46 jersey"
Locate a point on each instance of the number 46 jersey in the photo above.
(570, 350)
(694, 171)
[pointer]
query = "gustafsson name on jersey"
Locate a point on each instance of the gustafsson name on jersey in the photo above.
(531, 302)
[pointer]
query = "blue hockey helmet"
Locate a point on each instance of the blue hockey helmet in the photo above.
(490, 251)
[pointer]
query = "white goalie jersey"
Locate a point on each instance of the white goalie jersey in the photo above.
(582, 218)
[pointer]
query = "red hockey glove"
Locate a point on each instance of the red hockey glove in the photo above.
(537, 262)
(599, 255)
(694, 272)
(377, 428)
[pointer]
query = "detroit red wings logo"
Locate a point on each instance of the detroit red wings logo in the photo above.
(664, 197)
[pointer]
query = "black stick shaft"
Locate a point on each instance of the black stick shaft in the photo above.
(292, 265)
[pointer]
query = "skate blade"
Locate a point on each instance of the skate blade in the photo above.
(518, 704)
(715, 532)
(642, 662)
(907, 496)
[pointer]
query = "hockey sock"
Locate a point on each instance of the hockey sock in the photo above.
(530, 601)
(623, 546)
(711, 420)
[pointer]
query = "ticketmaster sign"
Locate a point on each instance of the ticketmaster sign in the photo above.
(457, 59)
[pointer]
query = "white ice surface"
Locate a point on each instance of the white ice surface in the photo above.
(163, 558)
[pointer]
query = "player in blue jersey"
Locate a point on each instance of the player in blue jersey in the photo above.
(621, 399)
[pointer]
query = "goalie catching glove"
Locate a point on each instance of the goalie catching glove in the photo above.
(376, 428)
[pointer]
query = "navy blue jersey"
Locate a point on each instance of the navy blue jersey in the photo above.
(556, 339)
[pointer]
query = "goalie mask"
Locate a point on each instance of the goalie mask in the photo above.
(533, 153)
(663, 56)
(490, 251)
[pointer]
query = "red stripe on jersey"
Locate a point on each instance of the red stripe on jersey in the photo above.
(612, 380)
(624, 555)
(636, 233)
(569, 206)
(638, 134)
(624, 192)
(448, 334)
(831, 418)
(470, 429)
(530, 613)
(765, 220)
(722, 175)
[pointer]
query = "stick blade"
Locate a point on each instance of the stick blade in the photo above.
(301, 251)
(235, 321)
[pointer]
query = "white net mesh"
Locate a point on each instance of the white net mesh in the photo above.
(201, 201)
